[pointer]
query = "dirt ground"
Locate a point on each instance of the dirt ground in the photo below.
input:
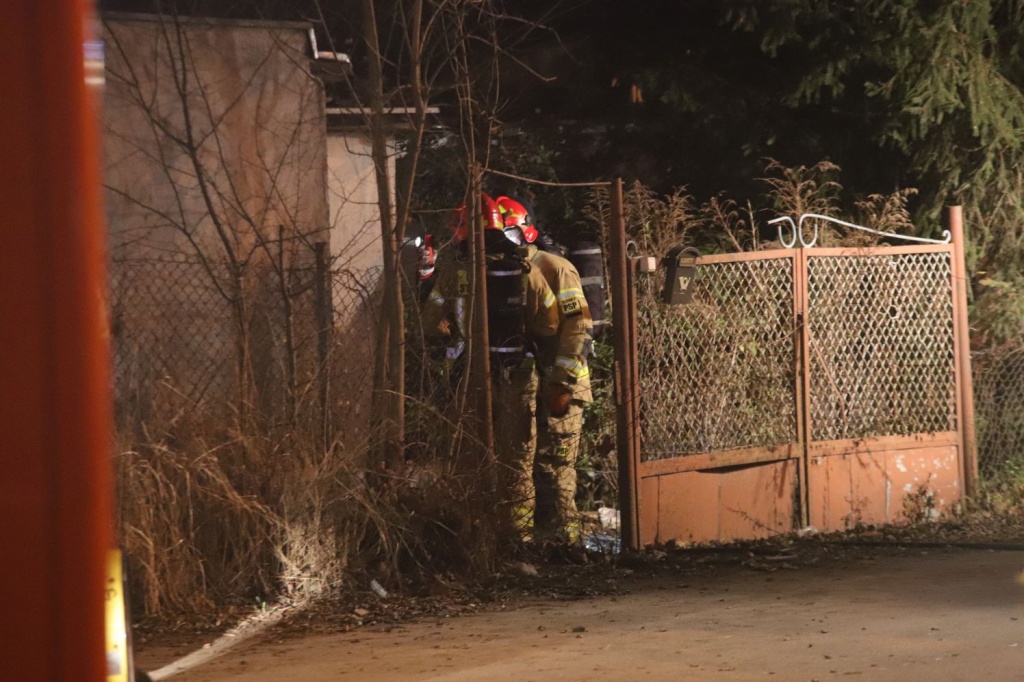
(877, 614)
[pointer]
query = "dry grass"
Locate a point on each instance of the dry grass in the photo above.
(256, 518)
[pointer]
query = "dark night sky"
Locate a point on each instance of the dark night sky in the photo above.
(594, 51)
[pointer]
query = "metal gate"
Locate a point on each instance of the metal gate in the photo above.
(802, 386)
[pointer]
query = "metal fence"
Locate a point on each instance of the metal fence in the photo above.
(173, 339)
(717, 374)
(815, 386)
(188, 346)
(999, 407)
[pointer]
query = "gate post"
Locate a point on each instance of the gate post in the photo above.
(634, 399)
(623, 330)
(963, 351)
(802, 342)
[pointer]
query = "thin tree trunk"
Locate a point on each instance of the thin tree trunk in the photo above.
(289, 330)
(325, 329)
(389, 385)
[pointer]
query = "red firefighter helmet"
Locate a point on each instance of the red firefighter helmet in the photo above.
(491, 214)
(517, 221)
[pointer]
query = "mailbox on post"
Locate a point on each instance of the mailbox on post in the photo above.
(680, 269)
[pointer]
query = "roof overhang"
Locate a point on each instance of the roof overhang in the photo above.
(395, 119)
(205, 21)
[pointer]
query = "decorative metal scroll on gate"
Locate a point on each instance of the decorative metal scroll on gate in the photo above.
(881, 345)
(796, 228)
(718, 373)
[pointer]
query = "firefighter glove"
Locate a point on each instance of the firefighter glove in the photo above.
(558, 398)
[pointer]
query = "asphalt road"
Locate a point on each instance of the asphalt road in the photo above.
(924, 615)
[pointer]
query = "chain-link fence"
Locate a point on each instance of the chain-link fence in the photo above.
(281, 347)
(174, 340)
(352, 352)
(717, 374)
(999, 407)
(597, 468)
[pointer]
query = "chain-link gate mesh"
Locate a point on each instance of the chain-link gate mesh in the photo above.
(999, 407)
(881, 349)
(718, 374)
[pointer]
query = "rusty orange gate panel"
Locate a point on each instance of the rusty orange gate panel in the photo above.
(883, 385)
(720, 407)
(804, 386)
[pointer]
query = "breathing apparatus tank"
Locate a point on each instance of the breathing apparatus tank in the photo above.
(588, 258)
(505, 310)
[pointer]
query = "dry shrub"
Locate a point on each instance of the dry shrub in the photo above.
(193, 539)
(247, 519)
(888, 212)
(802, 189)
(730, 223)
(656, 223)
(446, 498)
(233, 489)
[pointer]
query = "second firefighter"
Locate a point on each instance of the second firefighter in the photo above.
(564, 379)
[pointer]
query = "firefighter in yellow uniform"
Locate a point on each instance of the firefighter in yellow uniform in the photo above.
(564, 374)
(522, 316)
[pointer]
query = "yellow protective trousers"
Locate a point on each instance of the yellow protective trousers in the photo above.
(558, 444)
(515, 443)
